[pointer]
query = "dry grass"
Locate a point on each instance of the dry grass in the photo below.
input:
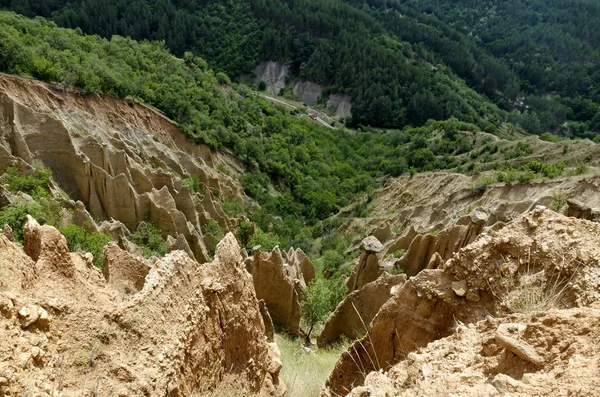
(304, 372)
(532, 295)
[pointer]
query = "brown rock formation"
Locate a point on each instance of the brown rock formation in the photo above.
(191, 328)
(473, 361)
(298, 258)
(179, 244)
(118, 160)
(577, 209)
(445, 244)
(122, 271)
(368, 268)
(280, 286)
(47, 247)
(264, 312)
(494, 275)
(354, 314)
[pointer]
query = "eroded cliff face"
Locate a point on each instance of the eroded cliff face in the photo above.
(408, 206)
(124, 162)
(542, 261)
(191, 328)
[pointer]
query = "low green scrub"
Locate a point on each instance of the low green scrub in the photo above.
(80, 239)
(34, 183)
(267, 241)
(548, 137)
(545, 169)
(399, 254)
(46, 211)
(482, 183)
(193, 183)
(580, 169)
(234, 207)
(396, 270)
(331, 260)
(149, 239)
(14, 216)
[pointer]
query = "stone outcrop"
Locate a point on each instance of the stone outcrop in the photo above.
(341, 104)
(82, 218)
(354, 314)
(368, 268)
(179, 244)
(424, 246)
(420, 312)
(190, 330)
(122, 271)
(402, 242)
(121, 162)
(47, 247)
(434, 201)
(280, 286)
(264, 312)
(473, 361)
(273, 74)
(308, 92)
(383, 234)
(493, 276)
(298, 258)
(114, 229)
(577, 209)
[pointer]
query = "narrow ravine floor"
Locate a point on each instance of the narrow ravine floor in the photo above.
(305, 371)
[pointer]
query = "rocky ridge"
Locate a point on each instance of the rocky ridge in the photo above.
(66, 331)
(541, 262)
(124, 161)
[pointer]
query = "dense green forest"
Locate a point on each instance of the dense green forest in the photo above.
(531, 62)
(315, 169)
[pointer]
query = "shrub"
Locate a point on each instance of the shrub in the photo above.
(233, 207)
(223, 169)
(399, 253)
(34, 183)
(580, 169)
(558, 201)
(212, 228)
(332, 260)
(525, 176)
(223, 79)
(396, 270)
(194, 184)
(548, 137)
(14, 215)
(267, 241)
(361, 210)
(482, 183)
(80, 239)
(548, 170)
(149, 239)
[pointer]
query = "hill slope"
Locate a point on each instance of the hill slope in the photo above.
(399, 60)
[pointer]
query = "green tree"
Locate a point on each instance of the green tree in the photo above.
(320, 298)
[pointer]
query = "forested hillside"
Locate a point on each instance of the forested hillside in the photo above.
(403, 62)
(315, 170)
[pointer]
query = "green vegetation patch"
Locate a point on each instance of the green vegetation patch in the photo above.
(81, 239)
(149, 238)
